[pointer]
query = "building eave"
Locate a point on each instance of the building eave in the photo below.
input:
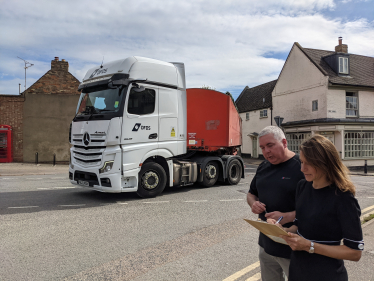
(338, 121)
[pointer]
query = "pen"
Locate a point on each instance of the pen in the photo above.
(278, 221)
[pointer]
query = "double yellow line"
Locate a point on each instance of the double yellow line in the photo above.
(245, 271)
(365, 212)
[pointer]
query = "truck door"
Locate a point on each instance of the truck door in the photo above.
(140, 122)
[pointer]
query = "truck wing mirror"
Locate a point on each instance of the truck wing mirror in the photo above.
(138, 88)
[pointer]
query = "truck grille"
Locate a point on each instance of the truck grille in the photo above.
(88, 156)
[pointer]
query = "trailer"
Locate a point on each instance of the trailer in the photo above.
(138, 129)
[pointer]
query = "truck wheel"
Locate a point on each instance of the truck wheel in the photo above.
(211, 173)
(152, 180)
(234, 172)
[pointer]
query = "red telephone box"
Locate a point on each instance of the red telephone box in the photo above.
(5, 144)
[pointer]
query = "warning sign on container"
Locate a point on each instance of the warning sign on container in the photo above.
(172, 133)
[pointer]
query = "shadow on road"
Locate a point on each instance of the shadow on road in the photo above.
(66, 199)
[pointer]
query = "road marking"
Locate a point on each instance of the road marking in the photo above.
(370, 197)
(243, 183)
(77, 205)
(243, 271)
(58, 178)
(7, 178)
(368, 208)
(155, 202)
(227, 200)
(62, 187)
(255, 277)
(195, 201)
(121, 203)
(34, 178)
(23, 207)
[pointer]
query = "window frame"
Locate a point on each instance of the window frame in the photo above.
(148, 113)
(354, 100)
(358, 144)
(262, 113)
(247, 116)
(315, 105)
(343, 65)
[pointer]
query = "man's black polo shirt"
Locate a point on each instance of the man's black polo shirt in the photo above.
(275, 186)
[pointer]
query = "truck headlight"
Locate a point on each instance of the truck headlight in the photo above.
(108, 165)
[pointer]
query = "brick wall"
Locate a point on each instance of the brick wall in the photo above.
(11, 113)
(58, 80)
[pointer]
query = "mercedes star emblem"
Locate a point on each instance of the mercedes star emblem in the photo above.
(86, 139)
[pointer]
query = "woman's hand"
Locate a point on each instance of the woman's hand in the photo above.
(273, 221)
(296, 242)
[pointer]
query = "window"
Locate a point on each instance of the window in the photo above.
(263, 113)
(294, 140)
(141, 103)
(247, 116)
(343, 65)
(315, 105)
(358, 144)
(351, 104)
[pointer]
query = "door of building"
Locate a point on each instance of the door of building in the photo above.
(5, 144)
(254, 147)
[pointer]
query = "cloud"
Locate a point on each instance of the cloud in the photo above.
(224, 44)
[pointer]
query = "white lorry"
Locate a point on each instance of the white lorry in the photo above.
(130, 132)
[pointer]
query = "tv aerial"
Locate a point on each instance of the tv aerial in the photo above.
(27, 65)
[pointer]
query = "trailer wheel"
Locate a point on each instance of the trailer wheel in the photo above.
(211, 173)
(234, 172)
(152, 180)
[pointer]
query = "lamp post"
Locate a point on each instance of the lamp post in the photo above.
(27, 65)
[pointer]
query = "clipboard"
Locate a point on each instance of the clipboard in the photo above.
(270, 230)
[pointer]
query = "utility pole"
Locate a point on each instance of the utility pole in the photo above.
(27, 65)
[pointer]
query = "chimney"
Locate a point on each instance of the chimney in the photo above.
(341, 48)
(57, 65)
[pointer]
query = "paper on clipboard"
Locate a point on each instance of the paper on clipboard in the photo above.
(270, 230)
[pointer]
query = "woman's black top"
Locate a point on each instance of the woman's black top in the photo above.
(324, 216)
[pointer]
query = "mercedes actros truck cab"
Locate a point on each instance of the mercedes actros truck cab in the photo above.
(137, 129)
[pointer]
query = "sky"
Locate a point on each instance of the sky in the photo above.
(224, 44)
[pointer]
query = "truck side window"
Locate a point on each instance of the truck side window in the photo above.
(141, 103)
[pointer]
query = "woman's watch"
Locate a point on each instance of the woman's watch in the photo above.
(311, 249)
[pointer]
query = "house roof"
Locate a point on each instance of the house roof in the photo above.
(361, 68)
(253, 98)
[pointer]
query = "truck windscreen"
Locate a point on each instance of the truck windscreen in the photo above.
(100, 100)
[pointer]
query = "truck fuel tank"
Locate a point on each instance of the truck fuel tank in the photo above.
(184, 173)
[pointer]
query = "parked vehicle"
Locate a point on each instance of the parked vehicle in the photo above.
(137, 129)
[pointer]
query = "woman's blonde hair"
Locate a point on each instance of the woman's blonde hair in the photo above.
(321, 153)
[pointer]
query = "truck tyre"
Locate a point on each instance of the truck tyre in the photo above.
(234, 172)
(152, 180)
(210, 174)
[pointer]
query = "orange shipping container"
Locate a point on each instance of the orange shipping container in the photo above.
(213, 123)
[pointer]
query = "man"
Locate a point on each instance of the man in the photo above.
(272, 195)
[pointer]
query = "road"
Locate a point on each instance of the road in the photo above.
(51, 230)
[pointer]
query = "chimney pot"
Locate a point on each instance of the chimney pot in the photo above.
(56, 58)
(340, 40)
(63, 60)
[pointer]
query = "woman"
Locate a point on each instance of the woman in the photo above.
(326, 214)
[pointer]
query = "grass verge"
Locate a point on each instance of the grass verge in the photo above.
(366, 219)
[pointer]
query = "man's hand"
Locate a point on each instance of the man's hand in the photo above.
(258, 207)
(296, 242)
(274, 215)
